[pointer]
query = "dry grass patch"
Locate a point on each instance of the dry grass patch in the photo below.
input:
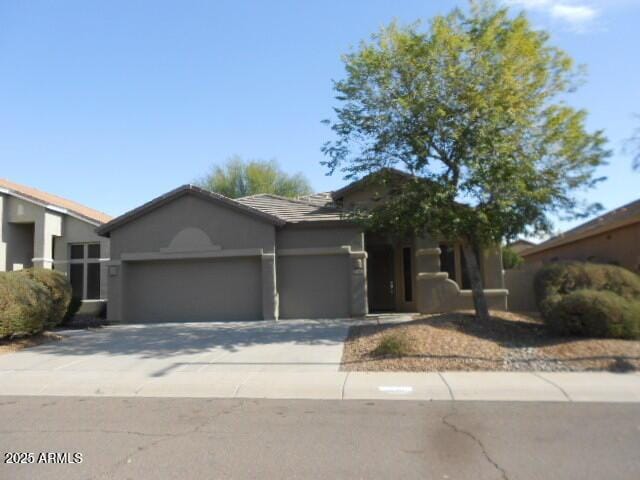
(394, 344)
(457, 341)
(10, 345)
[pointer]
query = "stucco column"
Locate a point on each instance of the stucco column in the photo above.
(269, 290)
(427, 263)
(358, 264)
(46, 227)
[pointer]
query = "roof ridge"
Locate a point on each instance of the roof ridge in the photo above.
(251, 196)
(289, 199)
(297, 200)
(168, 196)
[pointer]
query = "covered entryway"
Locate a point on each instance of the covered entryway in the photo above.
(381, 279)
(220, 289)
(390, 274)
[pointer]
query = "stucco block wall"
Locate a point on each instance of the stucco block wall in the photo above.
(620, 247)
(519, 282)
(436, 293)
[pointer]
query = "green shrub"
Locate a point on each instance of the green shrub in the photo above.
(24, 305)
(595, 314)
(393, 344)
(74, 306)
(558, 279)
(59, 288)
(510, 258)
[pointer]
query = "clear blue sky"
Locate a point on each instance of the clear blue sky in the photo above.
(112, 103)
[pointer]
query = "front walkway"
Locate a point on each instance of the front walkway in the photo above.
(286, 359)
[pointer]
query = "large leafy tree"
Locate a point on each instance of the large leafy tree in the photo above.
(239, 178)
(633, 147)
(472, 108)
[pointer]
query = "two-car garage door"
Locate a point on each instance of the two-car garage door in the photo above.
(193, 290)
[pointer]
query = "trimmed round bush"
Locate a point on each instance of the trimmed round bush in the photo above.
(589, 299)
(59, 288)
(24, 305)
(559, 279)
(594, 313)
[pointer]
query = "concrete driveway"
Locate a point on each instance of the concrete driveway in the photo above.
(160, 349)
(219, 356)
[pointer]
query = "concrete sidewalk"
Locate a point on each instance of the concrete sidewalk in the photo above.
(481, 386)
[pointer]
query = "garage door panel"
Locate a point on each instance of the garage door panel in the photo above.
(195, 290)
(314, 286)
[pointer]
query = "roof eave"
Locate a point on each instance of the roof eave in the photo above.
(560, 241)
(49, 206)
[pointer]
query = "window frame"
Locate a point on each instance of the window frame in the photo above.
(85, 261)
(407, 274)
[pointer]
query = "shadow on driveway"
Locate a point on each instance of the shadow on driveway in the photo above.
(165, 340)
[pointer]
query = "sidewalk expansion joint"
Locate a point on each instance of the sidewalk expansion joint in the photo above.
(344, 383)
(551, 382)
(447, 385)
(242, 382)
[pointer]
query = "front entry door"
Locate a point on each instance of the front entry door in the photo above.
(380, 278)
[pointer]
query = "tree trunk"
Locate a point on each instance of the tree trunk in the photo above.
(473, 269)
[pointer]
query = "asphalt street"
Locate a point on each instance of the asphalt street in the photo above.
(182, 438)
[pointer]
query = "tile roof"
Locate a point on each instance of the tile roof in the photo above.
(47, 199)
(187, 189)
(619, 217)
(290, 210)
(322, 199)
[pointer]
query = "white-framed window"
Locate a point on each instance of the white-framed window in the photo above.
(84, 270)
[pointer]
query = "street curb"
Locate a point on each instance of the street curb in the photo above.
(422, 386)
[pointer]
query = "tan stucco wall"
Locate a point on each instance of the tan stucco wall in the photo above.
(519, 282)
(225, 227)
(19, 245)
(310, 236)
(620, 247)
(189, 226)
(363, 197)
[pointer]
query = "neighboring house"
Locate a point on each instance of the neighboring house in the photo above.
(38, 229)
(195, 255)
(521, 245)
(610, 238)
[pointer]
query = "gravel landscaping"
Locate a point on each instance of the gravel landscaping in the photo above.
(10, 345)
(509, 342)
